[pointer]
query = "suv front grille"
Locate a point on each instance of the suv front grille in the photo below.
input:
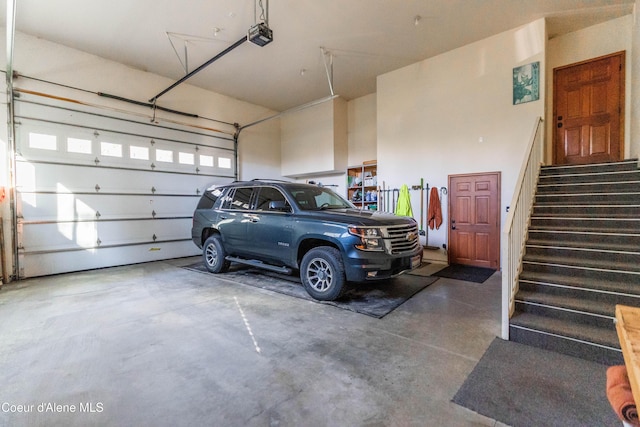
(402, 238)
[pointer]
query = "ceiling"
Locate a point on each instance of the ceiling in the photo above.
(361, 38)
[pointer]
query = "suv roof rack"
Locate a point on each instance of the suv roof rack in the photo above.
(269, 180)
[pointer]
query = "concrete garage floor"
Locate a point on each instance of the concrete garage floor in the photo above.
(159, 345)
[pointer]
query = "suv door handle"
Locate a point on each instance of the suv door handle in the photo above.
(254, 218)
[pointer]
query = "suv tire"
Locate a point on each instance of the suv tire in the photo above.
(213, 254)
(322, 273)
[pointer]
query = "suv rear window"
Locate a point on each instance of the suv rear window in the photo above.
(209, 198)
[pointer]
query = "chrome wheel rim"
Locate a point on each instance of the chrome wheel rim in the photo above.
(211, 255)
(320, 275)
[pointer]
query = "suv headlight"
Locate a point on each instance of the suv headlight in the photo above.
(370, 238)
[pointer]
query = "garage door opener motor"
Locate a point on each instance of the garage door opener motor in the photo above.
(260, 34)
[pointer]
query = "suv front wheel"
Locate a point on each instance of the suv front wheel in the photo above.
(322, 273)
(214, 255)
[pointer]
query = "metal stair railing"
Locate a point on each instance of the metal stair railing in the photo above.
(517, 222)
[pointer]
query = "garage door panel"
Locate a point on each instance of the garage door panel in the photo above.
(64, 262)
(64, 236)
(66, 145)
(62, 178)
(97, 189)
(70, 206)
(30, 110)
(57, 237)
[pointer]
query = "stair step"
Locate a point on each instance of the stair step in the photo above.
(627, 280)
(629, 164)
(585, 341)
(579, 239)
(583, 279)
(585, 223)
(585, 257)
(614, 197)
(562, 314)
(568, 303)
(588, 198)
(579, 177)
(591, 334)
(597, 211)
(589, 187)
(581, 290)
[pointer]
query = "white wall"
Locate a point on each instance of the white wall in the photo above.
(361, 142)
(431, 115)
(314, 139)
(592, 42)
(259, 150)
(362, 135)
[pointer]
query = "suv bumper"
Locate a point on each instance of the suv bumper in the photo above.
(376, 266)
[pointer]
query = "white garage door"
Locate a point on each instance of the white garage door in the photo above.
(99, 188)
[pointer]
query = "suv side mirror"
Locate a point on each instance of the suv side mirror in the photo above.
(278, 205)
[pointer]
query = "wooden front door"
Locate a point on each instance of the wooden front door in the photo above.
(474, 215)
(588, 111)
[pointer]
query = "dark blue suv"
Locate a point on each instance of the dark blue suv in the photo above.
(286, 227)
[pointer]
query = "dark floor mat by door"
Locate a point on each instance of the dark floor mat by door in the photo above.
(466, 273)
(375, 299)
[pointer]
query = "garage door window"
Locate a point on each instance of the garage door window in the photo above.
(206, 160)
(76, 145)
(42, 141)
(224, 162)
(186, 158)
(138, 153)
(164, 156)
(110, 149)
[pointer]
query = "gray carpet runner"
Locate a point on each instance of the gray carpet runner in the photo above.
(582, 258)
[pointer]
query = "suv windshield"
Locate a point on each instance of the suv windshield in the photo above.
(317, 198)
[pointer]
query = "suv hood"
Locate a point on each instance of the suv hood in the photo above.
(358, 217)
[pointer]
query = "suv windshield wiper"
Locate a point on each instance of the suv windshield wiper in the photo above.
(324, 207)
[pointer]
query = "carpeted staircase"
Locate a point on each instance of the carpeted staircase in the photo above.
(582, 258)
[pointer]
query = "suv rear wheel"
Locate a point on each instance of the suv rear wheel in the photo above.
(214, 255)
(322, 273)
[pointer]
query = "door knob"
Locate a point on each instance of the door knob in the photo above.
(453, 224)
